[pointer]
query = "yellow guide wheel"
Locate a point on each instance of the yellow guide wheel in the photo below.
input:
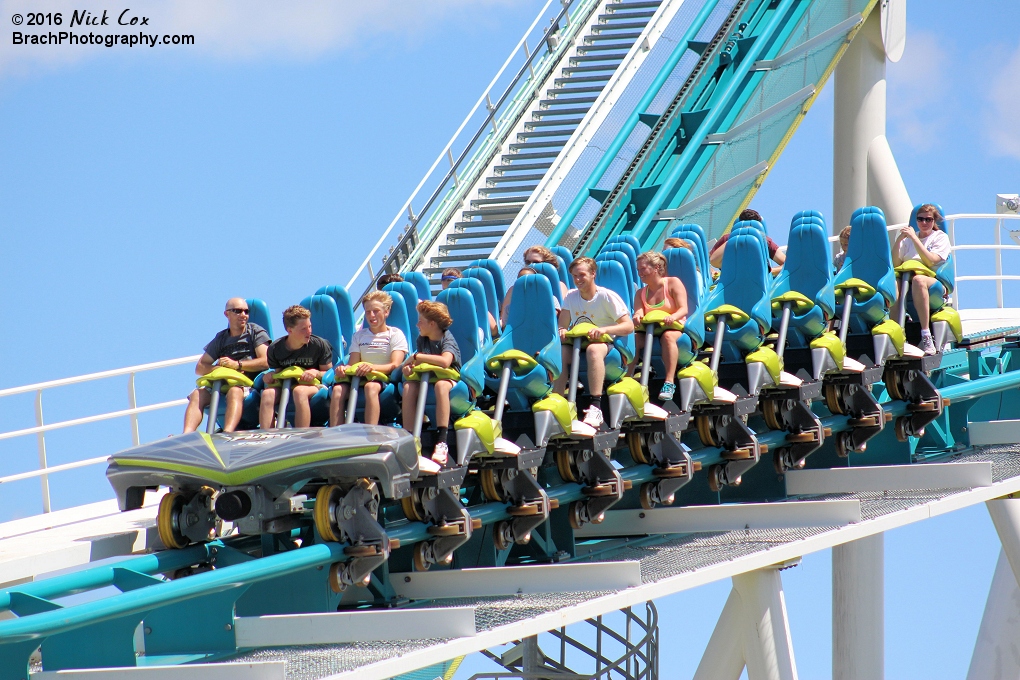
(325, 501)
(168, 521)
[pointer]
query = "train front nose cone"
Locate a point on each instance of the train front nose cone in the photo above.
(233, 505)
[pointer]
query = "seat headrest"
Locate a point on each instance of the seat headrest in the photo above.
(420, 283)
(565, 258)
(532, 318)
(485, 276)
(343, 307)
(612, 274)
(868, 256)
(407, 292)
(497, 276)
(680, 263)
(744, 279)
(258, 314)
(326, 323)
(548, 271)
(624, 262)
(461, 304)
(474, 287)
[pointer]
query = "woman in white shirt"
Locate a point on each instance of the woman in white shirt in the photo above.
(380, 348)
(931, 247)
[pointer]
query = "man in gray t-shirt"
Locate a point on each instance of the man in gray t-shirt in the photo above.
(242, 347)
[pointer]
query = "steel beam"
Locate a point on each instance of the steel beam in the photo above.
(768, 647)
(724, 656)
(357, 626)
(858, 619)
(889, 478)
(995, 651)
(731, 517)
(494, 581)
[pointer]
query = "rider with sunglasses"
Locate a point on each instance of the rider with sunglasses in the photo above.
(241, 346)
(929, 245)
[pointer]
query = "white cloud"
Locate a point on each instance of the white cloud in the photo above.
(917, 114)
(234, 29)
(1002, 117)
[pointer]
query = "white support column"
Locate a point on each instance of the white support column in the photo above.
(753, 630)
(995, 653)
(858, 617)
(1005, 514)
(724, 656)
(864, 170)
(768, 647)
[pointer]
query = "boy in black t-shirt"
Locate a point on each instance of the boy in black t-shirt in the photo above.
(240, 346)
(436, 346)
(298, 348)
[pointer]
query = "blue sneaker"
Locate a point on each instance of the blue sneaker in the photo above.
(667, 392)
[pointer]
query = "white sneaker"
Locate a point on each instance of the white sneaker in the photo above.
(593, 417)
(927, 345)
(441, 453)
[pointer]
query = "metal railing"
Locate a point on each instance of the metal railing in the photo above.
(997, 247)
(41, 427)
(490, 126)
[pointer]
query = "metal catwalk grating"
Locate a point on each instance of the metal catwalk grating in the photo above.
(665, 559)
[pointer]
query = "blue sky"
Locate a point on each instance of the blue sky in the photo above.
(142, 187)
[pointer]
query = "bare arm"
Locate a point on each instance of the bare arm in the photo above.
(715, 257)
(204, 365)
(444, 360)
(623, 326)
(679, 293)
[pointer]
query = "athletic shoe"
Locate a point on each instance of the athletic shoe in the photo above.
(927, 345)
(593, 416)
(667, 392)
(441, 453)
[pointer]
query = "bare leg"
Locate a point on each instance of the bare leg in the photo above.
(372, 407)
(442, 388)
(410, 401)
(667, 345)
(919, 294)
(267, 408)
(302, 394)
(197, 400)
(639, 345)
(596, 354)
(235, 403)
(560, 384)
(338, 405)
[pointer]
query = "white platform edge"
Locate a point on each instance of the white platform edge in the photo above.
(889, 478)
(531, 579)
(259, 670)
(382, 670)
(994, 432)
(734, 517)
(357, 626)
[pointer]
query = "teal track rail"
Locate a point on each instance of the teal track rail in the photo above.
(632, 122)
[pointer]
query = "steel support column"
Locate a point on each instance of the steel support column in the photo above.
(858, 618)
(995, 651)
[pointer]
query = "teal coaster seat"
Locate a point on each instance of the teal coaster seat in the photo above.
(628, 250)
(623, 260)
(808, 273)
(532, 329)
(344, 308)
(258, 314)
(462, 306)
(474, 286)
(406, 292)
(498, 281)
(549, 272)
(680, 263)
(695, 235)
(492, 301)
(945, 276)
(743, 284)
(420, 283)
(565, 257)
(611, 275)
(868, 259)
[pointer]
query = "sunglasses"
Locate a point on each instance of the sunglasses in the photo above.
(925, 219)
(238, 310)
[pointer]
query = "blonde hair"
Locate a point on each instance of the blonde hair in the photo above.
(547, 255)
(380, 296)
(436, 312)
(586, 261)
(293, 314)
(674, 242)
(657, 260)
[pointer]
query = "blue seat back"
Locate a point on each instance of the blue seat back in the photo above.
(488, 285)
(612, 275)
(258, 314)
(628, 250)
(565, 258)
(398, 318)
(498, 282)
(680, 263)
(624, 262)
(532, 320)
(695, 235)
(343, 307)
(744, 281)
(326, 324)
(868, 256)
(548, 271)
(629, 239)
(944, 272)
(474, 286)
(420, 283)
(407, 292)
(807, 270)
(461, 304)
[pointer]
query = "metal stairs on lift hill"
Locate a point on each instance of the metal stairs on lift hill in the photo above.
(560, 112)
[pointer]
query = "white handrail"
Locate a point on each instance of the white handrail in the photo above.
(54, 468)
(449, 145)
(24, 389)
(92, 419)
